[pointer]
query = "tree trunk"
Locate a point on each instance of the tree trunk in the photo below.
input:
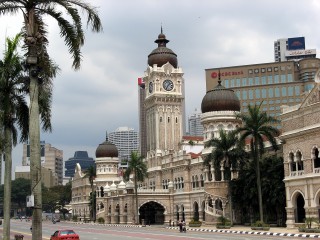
(7, 185)
(136, 198)
(1, 156)
(35, 160)
(256, 155)
(93, 203)
(230, 203)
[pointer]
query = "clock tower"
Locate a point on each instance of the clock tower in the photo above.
(164, 98)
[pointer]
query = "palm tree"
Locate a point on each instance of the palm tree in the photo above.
(258, 127)
(35, 33)
(91, 174)
(138, 168)
(226, 152)
(1, 143)
(15, 113)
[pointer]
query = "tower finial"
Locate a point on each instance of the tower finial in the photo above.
(161, 29)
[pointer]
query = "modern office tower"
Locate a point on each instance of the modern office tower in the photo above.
(80, 157)
(126, 141)
(269, 84)
(51, 158)
(195, 126)
(142, 118)
(286, 49)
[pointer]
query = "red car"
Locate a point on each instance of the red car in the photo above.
(64, 235)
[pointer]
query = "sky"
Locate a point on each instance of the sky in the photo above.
(103, 94)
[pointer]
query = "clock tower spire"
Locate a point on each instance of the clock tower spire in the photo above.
(164, 102)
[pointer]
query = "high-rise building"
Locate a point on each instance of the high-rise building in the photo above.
(126, 140)
(80, 157)
(195, 126)
(286, 49)
(51, 158)
(269, 84)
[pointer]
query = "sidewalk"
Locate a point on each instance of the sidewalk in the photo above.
(276, 231)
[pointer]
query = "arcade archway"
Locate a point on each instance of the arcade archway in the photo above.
(152, 213)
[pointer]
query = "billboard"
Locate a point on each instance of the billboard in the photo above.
(297, 43)
(301, 52)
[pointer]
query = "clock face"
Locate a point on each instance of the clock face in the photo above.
(168, 85)
(150, 87)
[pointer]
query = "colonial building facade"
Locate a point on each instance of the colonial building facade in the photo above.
(301, 128)
(179, 186)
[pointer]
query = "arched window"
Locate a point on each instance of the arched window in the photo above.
(316, 159)
(197, 182)
(102, 191)
(299, 161)
(193, 182)
(292, 163)
(201, 181)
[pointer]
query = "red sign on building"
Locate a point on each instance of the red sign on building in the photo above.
(226, 74)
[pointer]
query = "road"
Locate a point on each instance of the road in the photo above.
(100, 232)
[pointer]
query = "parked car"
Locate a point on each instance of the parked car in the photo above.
(64, 234)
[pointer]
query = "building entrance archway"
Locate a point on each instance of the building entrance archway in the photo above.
(152, 213)
(300, 211)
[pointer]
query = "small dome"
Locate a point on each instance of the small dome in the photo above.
(106, 149)
(161, 55)
(106, 188)
(113, 187)
(121, 185)
(220, 99)
(129, 184)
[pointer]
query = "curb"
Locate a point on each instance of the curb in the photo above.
(111, 225)
(250, 232)
(217, 230)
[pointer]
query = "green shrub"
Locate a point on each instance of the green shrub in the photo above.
(260, 224)
(101, 220)
(223, 221)
(195, 222)
(310, 220)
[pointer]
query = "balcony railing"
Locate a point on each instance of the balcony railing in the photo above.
(297, 173)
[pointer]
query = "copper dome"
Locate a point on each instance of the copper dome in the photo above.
(106, 149)
(220, 99)
(161, 55)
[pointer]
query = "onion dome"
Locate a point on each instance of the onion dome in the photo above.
(106, 149)
(129, 184)
(161, 55)
(121, 185)
(106, 188)
(113, 187)
(220, 99)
